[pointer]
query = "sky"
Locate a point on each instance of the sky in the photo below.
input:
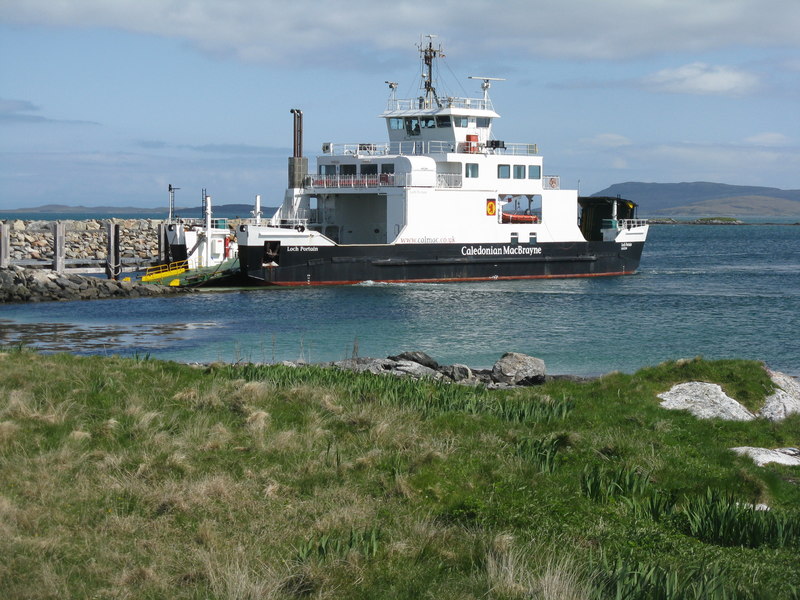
(107, 102)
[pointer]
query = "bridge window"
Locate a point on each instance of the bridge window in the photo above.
(443, 121)
(459, 121)
(483, 122)
(534, 172)
(503, 171)
(471, 170)
(396, 124)
(412, 126)
(519, 171)
(428, 122)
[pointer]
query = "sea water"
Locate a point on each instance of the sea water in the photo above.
(715, 291)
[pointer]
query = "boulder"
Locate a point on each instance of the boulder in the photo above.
(414, 369)
(418, 357)
(457, 372)
(515, 368)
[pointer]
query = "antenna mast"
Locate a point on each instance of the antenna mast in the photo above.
(487, 83)
(428, 54)
(171, 201)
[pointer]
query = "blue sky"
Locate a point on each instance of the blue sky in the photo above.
(105, 102)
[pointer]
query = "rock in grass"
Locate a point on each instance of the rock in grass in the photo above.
(784, 401)
(705, 401)
(515, 368)
(762, 456)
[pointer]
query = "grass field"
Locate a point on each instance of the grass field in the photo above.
(136, 478)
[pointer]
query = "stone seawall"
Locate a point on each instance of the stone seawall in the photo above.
(33, 240)
(42, 285)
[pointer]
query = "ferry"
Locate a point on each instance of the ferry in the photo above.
(442, 200)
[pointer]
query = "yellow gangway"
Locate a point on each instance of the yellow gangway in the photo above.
(169, 270)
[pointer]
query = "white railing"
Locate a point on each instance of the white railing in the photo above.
(356, 181)
(419, 147)
(395, 104)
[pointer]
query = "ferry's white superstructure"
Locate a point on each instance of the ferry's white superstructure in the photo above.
(442, 200)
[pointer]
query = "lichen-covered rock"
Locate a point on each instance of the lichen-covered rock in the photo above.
(784, 401)
(763, 456)
(704, 401)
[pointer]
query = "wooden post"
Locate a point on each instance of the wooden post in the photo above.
(113, 267)
(59, 233)
(5, 254)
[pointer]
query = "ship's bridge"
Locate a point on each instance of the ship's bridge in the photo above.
(456, 121)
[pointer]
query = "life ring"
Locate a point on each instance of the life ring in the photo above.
(300, 228)
(553, 183)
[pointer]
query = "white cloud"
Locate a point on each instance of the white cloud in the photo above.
(701, 78)
(768, 139)
(273, 31)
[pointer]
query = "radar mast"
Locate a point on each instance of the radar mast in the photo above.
(429, 53)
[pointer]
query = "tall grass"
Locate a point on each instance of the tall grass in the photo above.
(127, 478)
(719, 518)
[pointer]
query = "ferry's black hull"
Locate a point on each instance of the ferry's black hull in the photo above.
(328, 265)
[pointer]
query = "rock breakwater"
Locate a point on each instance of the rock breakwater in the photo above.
(38, 285)
(33, 240)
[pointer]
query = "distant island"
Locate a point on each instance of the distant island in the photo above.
(242, 210)
(702, 199)
(697, 199)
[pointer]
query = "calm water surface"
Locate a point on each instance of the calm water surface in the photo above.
(715, 291)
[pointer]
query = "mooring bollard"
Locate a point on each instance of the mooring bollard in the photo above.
(113, 267)
(59, 234)
(5, 258)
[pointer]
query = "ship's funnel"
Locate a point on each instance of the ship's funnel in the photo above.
(298, 164)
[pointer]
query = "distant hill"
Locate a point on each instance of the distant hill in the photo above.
(707, 199)
(221, 210)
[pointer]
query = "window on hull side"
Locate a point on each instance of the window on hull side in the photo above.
(503, 171)
(519, 171)
(534, 172)
(471, 170)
